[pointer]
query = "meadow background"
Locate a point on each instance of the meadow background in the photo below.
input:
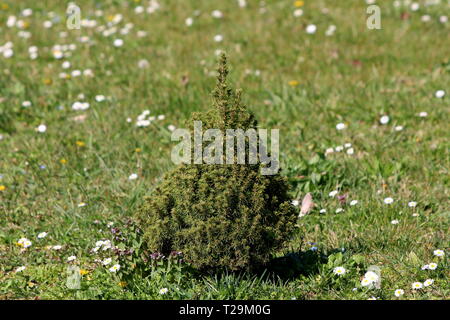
(76, 162)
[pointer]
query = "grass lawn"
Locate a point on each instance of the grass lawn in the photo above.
(74, 164)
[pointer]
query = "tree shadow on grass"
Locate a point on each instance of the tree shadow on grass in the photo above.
(294, 264)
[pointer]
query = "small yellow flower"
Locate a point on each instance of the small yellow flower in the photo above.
(80, 144)
(123, 284)
(48, 81)
(293, 83)
(63, 161)
(4, 6)
(31, 284)
(2, 188)
(110, 18)
(137, 150)
(84, 272)
(299, 3)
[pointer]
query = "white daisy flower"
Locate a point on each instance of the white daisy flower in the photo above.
(388, 200)
(95, 249)
(311, 29)
(339, 271)
(371, 276)
(353, 202)
(115, 268)
(133, 176)
(217, 14)
(106, 261)
(58, 54)
(394, 222)
(57, 247)
(20, 269)
(323, 211)
(8, 53)
(66, 65)
(384, 119)
(366, 282)
(423, 114)
(425, 18)
(242, 3)
(428, 282)
(163, 291)
(27, 12)
(298, 13)
(412, 204)
(80, 106)
(99, 243)
(11, 21)
(100, 98)
(333, 193)
(439, 94)
(218, 38)
(432, 266)
(118, 43)
(340, 126)
(88, 73)
(295, 203)
(417, 285)
(189, 21)
(75, 73)
(71, 258)
(142, 64)
(330, 31)
(439, 253)
(27, 244)
(399, 292)
(339, 210)
(41, 128)
(398, 128)
(42, 235)
(415, 6)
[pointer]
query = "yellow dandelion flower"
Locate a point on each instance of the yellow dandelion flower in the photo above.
(5, 6)
(84, 272)
(293, 83)
(47, 81)
(123, 284)
(137, 150)
(63, 161)
(2, 188)
(299, 3)
(80, 144)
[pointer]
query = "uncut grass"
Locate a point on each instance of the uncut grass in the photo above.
(354, 77)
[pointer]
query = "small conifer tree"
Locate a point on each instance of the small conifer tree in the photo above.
(219, 215)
